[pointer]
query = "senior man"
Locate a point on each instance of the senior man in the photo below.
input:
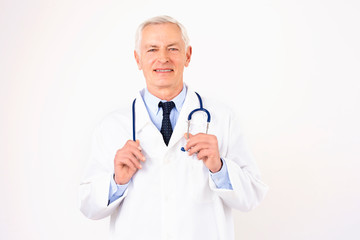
(138, 173)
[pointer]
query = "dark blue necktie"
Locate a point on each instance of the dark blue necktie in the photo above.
(166, 128)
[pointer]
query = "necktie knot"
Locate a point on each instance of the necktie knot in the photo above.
(167, 106)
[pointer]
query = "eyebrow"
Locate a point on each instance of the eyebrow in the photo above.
(169, 45)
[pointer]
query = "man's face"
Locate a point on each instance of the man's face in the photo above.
(163, 57)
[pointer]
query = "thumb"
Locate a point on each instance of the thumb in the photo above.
(138, 143)
(186, 136)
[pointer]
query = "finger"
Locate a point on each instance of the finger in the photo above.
(197, 148)
(138, 144)
(188, 143)
(128, 163)
(187, 136)
(210, 140)
(203, 154)
(135, 144)
(137, 153)
(135, 149)
(134, 161)
(127, 158)
(194, 141)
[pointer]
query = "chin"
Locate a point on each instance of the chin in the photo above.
(164, 82)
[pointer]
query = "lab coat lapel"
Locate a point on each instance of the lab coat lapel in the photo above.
(142, 116)
(151, 141)
(191, 102)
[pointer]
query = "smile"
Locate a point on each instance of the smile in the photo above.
(163, 70)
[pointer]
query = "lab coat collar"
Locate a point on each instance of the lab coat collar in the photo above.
(152, 101)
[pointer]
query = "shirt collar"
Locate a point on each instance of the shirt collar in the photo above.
(152, 102)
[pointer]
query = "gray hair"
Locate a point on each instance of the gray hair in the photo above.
(160, 20)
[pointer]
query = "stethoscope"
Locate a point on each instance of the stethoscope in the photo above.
(201, 108)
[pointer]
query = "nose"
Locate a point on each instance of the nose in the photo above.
(163, 56)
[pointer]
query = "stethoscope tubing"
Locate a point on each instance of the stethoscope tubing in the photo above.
(189, 117)
(133, 119)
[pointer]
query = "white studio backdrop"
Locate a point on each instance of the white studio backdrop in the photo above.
(290, 68)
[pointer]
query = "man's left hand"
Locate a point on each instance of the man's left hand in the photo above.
(207, 149)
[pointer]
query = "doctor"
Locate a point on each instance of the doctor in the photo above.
(149, 187)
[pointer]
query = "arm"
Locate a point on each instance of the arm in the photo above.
(244, 188)
(221, 178)
(94, 187)
(248, 189)
(94, 190)
(116, 190)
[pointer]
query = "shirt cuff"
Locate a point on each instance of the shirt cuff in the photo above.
(116, 191)
(221, 178)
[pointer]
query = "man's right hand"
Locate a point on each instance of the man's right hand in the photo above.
(127, 162)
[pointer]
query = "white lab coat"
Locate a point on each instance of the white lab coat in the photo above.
(173, 195)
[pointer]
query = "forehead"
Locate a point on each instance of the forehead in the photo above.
(162, 33)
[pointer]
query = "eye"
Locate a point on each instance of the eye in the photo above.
(173, 49)
(151, 50)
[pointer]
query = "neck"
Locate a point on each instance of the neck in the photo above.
(166, 93)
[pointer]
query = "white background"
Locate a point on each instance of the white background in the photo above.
(290, 68)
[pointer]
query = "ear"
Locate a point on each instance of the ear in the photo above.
(137, 59)
(188, 55)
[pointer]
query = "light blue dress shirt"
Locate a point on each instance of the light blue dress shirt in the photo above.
(221, 178)
(156, 112)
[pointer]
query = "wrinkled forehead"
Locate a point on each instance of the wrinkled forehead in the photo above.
(163, 33)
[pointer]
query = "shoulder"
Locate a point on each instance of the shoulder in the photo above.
(216, 105)
(222, 114)
(116, 120)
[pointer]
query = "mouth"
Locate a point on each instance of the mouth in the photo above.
(163, 70)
